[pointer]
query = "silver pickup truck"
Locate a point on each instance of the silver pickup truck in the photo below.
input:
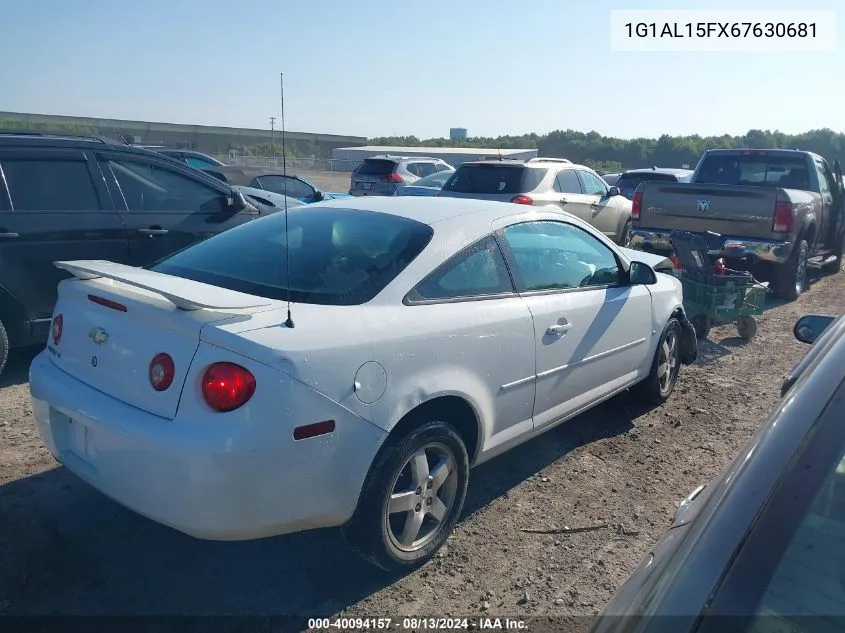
(773, 212)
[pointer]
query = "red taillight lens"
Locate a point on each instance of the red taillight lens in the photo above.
(676, 261)
(636, 205)
(520, 199)
(227, 386)
(784, 217)
(162, 371)
(392, 178)
(56, 331)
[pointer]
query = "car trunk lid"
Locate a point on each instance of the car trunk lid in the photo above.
(115, 319)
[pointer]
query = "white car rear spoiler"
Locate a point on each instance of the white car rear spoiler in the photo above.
(185, 294)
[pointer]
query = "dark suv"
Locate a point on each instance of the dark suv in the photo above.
(67, 198)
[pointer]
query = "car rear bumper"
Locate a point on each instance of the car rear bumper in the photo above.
(772, 251)
(191, 474)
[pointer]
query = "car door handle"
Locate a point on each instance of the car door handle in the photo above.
(558, 328)
(152, 231)
(8, 235)
(564, 201)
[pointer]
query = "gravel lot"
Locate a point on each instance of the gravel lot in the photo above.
(65, 549)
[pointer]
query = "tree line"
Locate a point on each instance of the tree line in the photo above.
(608, 153)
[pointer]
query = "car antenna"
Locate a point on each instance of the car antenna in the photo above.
(289, 321)
(499, 149)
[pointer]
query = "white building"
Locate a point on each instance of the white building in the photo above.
(348, 158)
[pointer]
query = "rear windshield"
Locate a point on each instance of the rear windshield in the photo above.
(337, 256)
(632, 180)
(494, 178)
(789, 172)
(376, 168)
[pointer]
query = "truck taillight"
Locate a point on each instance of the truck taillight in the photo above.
(636, 205)
(784, 217)
(520, 199)
(56, 330)
(227, 386)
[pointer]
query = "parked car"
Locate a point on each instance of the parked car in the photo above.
(546, 182)
(383, 175)
(630, 180)
(270, 179)
(427, 186)
(238, 416)
(195, 159)
(760, 547)
(71, 197)
(773, 212)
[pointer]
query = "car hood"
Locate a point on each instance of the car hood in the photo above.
(658, 262)
(335, 196)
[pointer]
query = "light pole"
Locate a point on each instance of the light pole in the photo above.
(273, 135)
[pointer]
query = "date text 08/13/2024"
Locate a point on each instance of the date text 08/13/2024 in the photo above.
(721, 29)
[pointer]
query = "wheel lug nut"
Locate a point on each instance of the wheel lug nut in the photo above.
(418, 507)
(429, 485)
(428, 501)
(419, 491)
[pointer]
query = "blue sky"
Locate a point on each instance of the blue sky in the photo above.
(382, 67)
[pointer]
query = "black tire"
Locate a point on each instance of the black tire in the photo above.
(4, 347)
(702, 324)
(791, 277)
(654, 389)
(746, 327)
(372, 533)
(836, 265)
(625, 236)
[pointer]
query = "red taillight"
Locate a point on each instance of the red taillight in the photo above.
(636, 205)
(676, 261)
(520, 199)
(784, 217)
(392, 178)
(227, 386)
(162, 371)
(56, 331)
(108, 303)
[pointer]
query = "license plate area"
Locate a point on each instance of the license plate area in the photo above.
(366, 185)
(73, 437)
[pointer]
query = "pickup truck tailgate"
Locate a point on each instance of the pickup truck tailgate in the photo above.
(737, 211)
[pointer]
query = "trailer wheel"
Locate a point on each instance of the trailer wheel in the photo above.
(746, 327)
(701, 323)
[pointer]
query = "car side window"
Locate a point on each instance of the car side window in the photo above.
(567, 181)
(295, 187)
(824, 185)
(50, 185)
(478, 271)
(413, 168)
(199, 163)
(592, 185)
(151, 188)
(426, 169)
(552, 255)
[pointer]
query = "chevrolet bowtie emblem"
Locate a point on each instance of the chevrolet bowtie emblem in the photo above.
(98, 335)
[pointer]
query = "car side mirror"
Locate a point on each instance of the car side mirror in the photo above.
(614, 191)
(318, 195)
(237, 201)
(642, 274)
(809, 327)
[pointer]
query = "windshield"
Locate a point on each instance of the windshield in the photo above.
(789, 172)
(494, 178)
(337, 256)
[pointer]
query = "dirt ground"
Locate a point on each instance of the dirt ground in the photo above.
(65, 549)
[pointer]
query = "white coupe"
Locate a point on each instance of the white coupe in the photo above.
(425, 336)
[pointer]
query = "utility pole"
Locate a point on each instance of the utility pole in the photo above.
(273, 134)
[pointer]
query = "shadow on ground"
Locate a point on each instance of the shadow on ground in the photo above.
(67, 550)
(16, 371)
